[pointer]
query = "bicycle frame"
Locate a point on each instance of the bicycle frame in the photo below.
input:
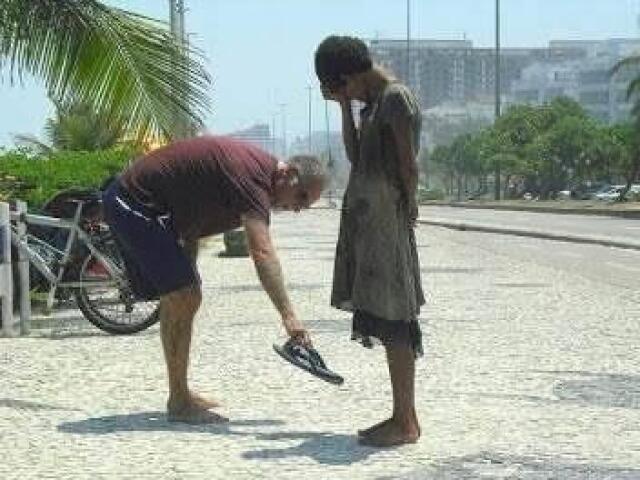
(76, 235)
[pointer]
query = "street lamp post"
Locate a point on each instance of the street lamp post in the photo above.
(330, 161)
(498, 88)
(408, 52)
(176, 18)
(176, 23)
(309, 89)
(273, 133)
(284, 128)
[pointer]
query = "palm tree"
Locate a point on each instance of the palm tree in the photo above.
(121, 64)
(75, 126)
(628, 67)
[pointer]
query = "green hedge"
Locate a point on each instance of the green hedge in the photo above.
(35, 179)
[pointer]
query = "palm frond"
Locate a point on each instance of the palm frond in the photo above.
(33, 143)
(122, 64)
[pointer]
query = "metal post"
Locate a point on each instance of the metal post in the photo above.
(309, 88)
(498, 88)
(273, 134)
(284, 129)
(326, 121)
(408, 59)
(176, 22)
(6, 278)
(330, 162)
(23, 271)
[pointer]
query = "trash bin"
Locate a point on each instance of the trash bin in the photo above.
(235, 244)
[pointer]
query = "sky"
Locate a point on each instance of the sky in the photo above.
(259, 53)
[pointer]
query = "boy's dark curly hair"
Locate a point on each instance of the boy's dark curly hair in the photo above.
(340, 55)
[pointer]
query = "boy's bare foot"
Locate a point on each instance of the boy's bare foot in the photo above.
(370, 430)
(392, 433)
(203, 402)
(367, 431)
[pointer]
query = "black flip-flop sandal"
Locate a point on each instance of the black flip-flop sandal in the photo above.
(308, 359)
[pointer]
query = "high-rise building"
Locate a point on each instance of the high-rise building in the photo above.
(445, 71)
(589, 81)
(454, 72)
(261, 136)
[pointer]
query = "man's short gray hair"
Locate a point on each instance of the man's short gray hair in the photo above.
(310, 169)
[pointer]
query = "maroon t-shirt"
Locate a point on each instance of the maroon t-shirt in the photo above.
(205, 183)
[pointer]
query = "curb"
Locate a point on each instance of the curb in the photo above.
(561, 237)
(561, 211)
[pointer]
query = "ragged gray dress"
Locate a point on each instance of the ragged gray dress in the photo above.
(376, 269)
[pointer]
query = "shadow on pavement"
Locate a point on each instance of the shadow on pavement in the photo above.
(155, 422)
(592, 389)
(497, 466)
(602, 390)
(323, 447)
(28, 405)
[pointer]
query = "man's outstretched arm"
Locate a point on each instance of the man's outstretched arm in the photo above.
(270, 273)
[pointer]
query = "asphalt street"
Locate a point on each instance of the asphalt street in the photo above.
(601, 226)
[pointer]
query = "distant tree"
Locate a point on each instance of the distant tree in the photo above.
(440, 159)
(633, 93)
(542, 148)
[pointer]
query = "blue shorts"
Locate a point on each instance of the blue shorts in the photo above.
(155, 261)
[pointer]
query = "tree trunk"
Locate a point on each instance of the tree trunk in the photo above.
(505, 190)
(633, 174)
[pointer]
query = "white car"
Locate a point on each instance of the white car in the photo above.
(614, 192)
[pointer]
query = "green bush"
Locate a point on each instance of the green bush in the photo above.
(35, 179)
(633, 196)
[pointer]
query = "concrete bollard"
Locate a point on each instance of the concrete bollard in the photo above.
(6, 278)
(23, 271)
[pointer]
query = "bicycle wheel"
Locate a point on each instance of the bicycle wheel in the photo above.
(109, 307)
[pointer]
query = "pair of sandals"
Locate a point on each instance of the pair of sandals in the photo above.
(307, 358)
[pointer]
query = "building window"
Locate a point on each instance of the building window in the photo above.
(594, 97)
(527, 96)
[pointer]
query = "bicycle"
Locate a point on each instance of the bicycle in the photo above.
(89, 265)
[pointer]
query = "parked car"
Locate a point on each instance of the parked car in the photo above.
(584, 191)
(609, 194)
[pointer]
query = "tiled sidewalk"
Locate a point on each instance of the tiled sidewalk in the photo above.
(516, 383)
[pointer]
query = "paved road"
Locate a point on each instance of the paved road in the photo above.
(616, 227)
(532, 371)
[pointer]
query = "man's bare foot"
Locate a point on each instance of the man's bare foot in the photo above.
(391, 433)
(194, 415)
(192, 411)
(367, 431)
(203, 402)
